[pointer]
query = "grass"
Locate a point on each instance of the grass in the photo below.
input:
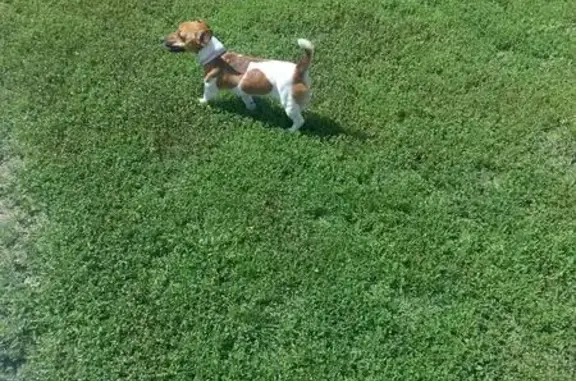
(422, 227)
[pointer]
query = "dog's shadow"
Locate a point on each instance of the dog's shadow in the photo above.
(272, 115)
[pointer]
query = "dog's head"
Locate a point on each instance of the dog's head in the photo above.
(191, 36)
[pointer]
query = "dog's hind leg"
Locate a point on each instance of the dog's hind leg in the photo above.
(294, 112)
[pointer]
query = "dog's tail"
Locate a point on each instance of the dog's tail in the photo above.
(304, 63)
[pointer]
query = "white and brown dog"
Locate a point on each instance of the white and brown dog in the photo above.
(243, 75)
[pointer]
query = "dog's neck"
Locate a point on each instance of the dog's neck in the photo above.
(210, 52)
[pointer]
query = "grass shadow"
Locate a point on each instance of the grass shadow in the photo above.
(273, 115)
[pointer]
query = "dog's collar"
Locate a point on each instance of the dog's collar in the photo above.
(210, 52)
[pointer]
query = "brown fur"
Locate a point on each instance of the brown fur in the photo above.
(300, 88)
(190, 36)
(254, 82)
(226, 77)
(302, 66)
(301, 93)
(240, 62)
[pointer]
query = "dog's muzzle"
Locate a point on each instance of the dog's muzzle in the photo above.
(172, 48)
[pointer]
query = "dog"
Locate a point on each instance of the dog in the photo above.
(246, 76)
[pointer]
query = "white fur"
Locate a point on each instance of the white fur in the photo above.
(305, 44)
(210, 91)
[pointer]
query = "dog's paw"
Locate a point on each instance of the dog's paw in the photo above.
(203, 101)
(251, 106)
(293, 130)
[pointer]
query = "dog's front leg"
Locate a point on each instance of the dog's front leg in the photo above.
(210, 87)
(210, 91)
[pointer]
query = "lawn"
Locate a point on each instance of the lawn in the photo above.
(422, 226)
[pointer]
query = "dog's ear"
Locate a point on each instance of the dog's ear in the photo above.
(204, 37)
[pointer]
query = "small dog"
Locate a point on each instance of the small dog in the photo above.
(243, 75)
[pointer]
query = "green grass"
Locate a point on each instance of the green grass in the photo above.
(422, 227)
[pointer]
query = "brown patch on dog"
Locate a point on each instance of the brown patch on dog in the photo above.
(254, 82)
(301, 93)
(240, 62)
(228, 79)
